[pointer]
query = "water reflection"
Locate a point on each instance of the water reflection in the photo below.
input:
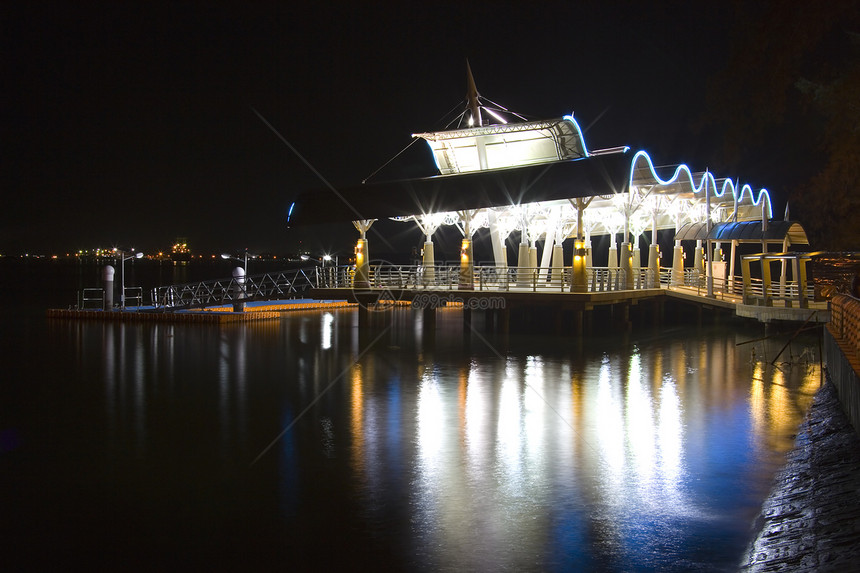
(615, 456)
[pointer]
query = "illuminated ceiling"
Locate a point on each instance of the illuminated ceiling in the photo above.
(505, 145)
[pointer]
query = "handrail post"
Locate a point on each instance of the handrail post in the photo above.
(747, 280)
(765, 279)
(800, 278)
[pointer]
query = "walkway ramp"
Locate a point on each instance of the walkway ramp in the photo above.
(237, 290)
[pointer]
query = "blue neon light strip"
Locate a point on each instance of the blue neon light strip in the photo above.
(707, 179)
(578, 131)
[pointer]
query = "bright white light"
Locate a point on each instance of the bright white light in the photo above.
(495, 115)
(505, 145)
(509, 428)
(430, 420)
(327, 321)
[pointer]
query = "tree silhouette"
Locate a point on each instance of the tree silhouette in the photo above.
(788, 102)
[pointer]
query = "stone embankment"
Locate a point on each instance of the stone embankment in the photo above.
(811, 519)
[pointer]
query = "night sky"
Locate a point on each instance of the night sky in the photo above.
(131, 125)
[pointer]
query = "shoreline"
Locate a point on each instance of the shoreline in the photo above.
(810, 521)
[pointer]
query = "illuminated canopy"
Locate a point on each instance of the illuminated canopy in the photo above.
(540, 178)
(745, 232)
(505, 145)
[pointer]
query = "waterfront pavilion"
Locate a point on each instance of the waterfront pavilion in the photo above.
(539, 181)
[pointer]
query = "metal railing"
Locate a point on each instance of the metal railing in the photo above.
(268, 286)
(487, 277)
(91, 298)
(133, 297)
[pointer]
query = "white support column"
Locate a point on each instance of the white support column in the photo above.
(428, 225)
(612, 260)
(637, 254)
(709, 257)
(698, 259)
(732, 264)
(499, 254)
(589, 259)
(783, 278)
(678, 255)
(546, 256)
(557, 264)
(678, 265)
(523, 278)
(467, 263)
(428, 260)
(654, 253)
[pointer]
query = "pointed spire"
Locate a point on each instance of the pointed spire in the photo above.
(472, 96)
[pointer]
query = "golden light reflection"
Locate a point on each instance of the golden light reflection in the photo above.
(780, 411)
(757, 400)
(576, 408)
(810, 384)
(462, 389)
(357, 417)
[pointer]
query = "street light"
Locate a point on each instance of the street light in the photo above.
(325, 259)
(329, 277)
(225, 256)
(124, 258)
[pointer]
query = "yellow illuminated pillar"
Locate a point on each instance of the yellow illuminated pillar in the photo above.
(467, 270)
(580, 281)
(626, 264)
(362, 274)
(362, 258)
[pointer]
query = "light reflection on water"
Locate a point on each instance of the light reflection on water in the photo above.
(442, 454)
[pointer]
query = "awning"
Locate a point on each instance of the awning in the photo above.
(596, 175)
(745, 232)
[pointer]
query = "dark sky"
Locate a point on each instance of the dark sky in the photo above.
(134, 124)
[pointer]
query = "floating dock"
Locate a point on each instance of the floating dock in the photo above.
(261, 310)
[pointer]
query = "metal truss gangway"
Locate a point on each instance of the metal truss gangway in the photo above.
(268, 286)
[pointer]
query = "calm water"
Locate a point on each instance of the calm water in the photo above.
(304, 442)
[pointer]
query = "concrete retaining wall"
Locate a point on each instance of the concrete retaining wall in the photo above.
(841, 355)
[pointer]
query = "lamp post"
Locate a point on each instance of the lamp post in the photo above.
(124, 258)
(325, 259)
